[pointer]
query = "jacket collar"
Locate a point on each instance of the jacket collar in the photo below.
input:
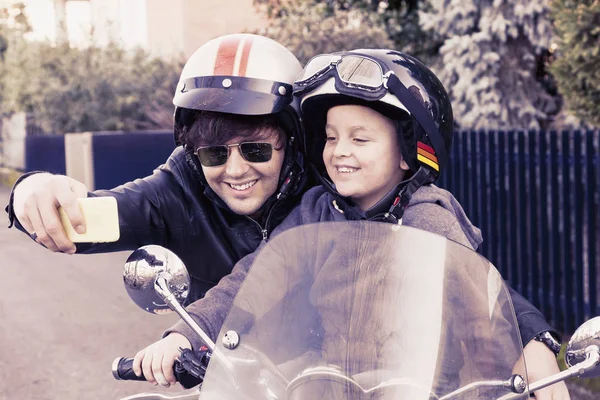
(376, 212)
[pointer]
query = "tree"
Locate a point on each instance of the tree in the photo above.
(93, 89)
(401, 21)
(13, 23)
(492, 61)
(308, 29)
(13, 26)
(576, 67)
(68, 89)
(392, 24)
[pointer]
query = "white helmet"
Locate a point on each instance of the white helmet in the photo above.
(237, 74)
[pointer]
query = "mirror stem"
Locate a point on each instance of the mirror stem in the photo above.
(161, 285)
(592, 361)
(162, 288)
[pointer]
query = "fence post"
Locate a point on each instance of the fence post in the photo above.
(79, 158)
(13, 142)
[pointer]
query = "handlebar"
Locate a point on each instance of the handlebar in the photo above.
(122, 370)
(189, 368)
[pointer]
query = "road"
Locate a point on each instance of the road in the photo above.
(63, 320)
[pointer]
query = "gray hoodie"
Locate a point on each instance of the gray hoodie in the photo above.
(431, 208)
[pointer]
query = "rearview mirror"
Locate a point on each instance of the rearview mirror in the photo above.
(585, 339)
(141, 271)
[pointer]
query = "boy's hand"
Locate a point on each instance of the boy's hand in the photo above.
(156, 361)
(36, 202)
(541, 363)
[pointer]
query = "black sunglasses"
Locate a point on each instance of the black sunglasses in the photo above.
(255, 152)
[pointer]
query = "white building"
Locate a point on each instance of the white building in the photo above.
(167, 28)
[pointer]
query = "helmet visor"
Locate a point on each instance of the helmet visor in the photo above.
(234, 95)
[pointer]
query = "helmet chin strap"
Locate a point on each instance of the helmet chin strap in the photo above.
(396, 211)
(293, 164)
(292, 177)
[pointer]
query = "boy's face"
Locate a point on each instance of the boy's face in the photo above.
(362, 155)
(245, 186)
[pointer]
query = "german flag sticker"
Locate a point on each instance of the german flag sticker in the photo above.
(426, 155)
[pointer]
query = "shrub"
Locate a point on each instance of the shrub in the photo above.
(97, 88)
(577, 26)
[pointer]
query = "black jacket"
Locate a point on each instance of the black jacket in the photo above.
(176, 209)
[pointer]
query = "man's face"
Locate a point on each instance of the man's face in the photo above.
(245, 186)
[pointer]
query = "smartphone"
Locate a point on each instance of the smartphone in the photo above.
(101, 220)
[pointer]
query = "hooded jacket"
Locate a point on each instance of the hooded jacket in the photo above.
(431, 209)
(175, 208)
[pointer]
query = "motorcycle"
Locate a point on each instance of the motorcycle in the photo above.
(358, 310)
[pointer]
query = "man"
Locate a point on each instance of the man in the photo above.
(235, 85)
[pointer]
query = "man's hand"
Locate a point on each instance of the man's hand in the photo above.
(541, 363)
(36, 202)
(156, 361)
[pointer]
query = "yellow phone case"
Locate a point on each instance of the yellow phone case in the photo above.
(101, 220)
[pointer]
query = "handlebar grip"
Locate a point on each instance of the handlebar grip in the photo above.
(122, 370)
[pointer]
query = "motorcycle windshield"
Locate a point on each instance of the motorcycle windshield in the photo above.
(366, 310)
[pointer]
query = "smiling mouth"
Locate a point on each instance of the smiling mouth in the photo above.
(346, 170)
(242, 187)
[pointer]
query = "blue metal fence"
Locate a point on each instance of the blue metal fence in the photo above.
(45, 153)
(118, 157)
(123, 157)
(535, 197)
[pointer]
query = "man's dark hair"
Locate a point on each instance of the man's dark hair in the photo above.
(213, 128)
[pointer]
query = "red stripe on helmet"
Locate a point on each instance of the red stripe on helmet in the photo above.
(425, 147)
(245, 56)
(226, 56)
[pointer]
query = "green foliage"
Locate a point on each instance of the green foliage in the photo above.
(21, 23)
(13, 24)
(492, 62)
(310, 27)
(577, 25)
(69, 89)
(400, 19)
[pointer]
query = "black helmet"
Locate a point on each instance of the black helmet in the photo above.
(393, 83)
